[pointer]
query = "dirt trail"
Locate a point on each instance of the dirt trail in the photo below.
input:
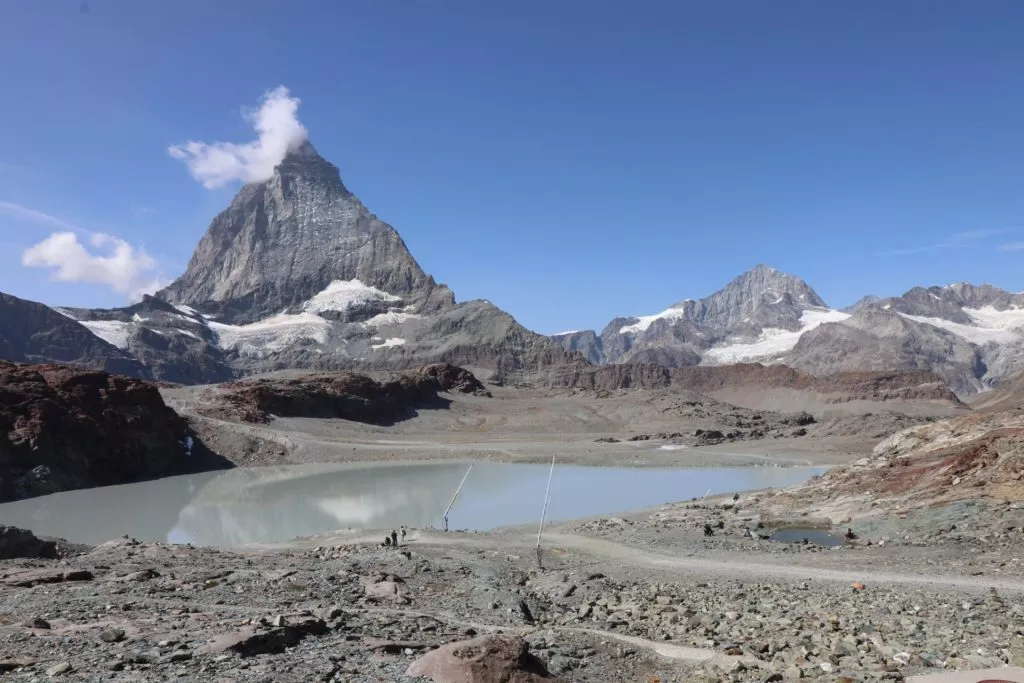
(625, 555)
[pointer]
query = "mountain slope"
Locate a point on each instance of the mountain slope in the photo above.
(283, 241)
(297, 273)
(757, 316)
(31, 332)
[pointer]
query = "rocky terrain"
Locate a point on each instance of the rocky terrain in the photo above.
(776, 387)
(978, 457)
(67, 428)
(341, 395)
(644, 597)
(33, 333)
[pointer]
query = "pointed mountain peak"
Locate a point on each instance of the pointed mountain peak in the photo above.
(303, 162)
(763, 282)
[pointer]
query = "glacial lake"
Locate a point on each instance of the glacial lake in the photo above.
(268, 504)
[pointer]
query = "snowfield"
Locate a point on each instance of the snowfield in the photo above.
(387, 343)
(272, 334)
(772, 342)
(111, 331)
(671, 314)
(990, 326)
(342, 295)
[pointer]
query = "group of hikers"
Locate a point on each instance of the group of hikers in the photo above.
(391, 541)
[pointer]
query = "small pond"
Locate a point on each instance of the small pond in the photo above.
(268, 504)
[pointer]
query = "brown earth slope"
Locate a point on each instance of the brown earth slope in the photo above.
(977, 457)
(775, 387)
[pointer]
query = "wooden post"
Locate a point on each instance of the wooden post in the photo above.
(455, 496)
(544, 510)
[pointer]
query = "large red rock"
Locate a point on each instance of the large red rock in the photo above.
(486, 659)
(64, 428)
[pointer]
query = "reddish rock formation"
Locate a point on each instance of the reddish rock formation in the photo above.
(68, 428)
(452, 378)
(487, 659)
(907, 386)
(344, 395)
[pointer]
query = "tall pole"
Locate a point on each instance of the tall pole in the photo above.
(544, 510)
(455, 496)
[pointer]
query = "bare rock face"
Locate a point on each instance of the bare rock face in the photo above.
(284, 240)
(452, 378)
(486, 659)
(776, 386)
(67, 428)
(33, 333)
(344, 395)
(15, 542)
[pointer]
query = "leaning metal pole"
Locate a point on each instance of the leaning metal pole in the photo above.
(544, 510)
(455, 496)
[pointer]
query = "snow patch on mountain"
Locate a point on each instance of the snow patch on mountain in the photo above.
(341, 295)
(111, 331)
(672, 313)
(387, 343)
(990, 325)
(772, 341)
(562, 334)
(390, 318)
(272, 334)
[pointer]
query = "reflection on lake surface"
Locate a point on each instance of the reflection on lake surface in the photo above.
(266, 504)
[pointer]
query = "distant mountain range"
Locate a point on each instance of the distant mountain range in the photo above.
(970, 336)
(297, 273)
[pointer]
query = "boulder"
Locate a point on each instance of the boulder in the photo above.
(486, 659)
(68, 428)
(15, 542)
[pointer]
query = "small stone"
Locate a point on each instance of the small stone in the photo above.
(37, 622)
(58, 669)
(280, 621)
(112, 635)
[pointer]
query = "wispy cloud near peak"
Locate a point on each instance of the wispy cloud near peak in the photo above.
(278, 130)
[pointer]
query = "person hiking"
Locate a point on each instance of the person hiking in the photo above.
(394, 538)
(403, 533)
(387, 541)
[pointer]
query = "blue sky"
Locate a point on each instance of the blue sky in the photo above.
(570, 161)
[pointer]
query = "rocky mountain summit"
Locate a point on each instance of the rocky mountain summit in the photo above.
(297, 273)
(970, 336)
(757, 316)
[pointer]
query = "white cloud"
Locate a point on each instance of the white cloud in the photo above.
(1013, 246)
(126, 269)
(278, 130)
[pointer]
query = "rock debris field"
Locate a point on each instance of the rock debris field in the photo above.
(647, 598)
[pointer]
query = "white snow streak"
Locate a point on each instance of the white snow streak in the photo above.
(989, 325)
(111, 331)
(187, 333)
(342, 295)
(567, 332)
(390, 318)
(392, 341)
(773, 341)
(272, 334)
(671, 314)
